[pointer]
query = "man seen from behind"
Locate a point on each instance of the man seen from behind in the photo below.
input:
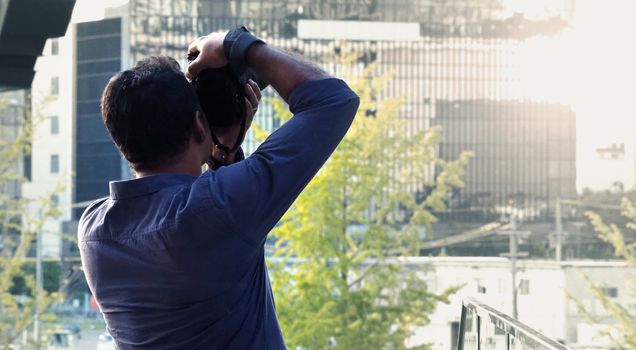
(175, 257)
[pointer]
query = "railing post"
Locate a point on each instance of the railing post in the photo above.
(514, 330)
(478, 332)
(462, 329)
(507, 341)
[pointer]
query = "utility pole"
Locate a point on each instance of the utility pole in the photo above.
(513, 254)
(578, 226)
(558, 233)
(38, 287)
(514, 248)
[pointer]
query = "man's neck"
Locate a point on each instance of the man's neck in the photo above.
(182, 166)
(188, 162)
(145, 173)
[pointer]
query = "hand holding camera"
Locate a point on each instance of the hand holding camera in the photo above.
(226, 88)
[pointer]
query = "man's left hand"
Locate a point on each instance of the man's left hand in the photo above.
(230, 134)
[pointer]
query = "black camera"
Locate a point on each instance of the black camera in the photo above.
(221, 93)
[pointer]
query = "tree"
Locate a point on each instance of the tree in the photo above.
(624, 334)
(51, 278)
(20, 221)
(606, 204)
(340, 281)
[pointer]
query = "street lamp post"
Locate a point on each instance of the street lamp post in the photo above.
(513, 254)
(38, 287)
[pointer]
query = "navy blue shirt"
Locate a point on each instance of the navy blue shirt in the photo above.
(177, 261)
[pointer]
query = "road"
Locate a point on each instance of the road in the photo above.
(89, 340)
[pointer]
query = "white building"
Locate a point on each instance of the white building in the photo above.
(52, 148)
(547, 295)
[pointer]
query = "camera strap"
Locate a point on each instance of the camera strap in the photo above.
(225, 149)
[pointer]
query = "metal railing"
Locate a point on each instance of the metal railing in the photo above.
(483, 327)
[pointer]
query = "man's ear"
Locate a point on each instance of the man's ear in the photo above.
(200, 128)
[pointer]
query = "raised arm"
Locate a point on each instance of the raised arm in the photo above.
(283, 71)
(256, 192)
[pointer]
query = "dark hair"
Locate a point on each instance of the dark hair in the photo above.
(149, 111)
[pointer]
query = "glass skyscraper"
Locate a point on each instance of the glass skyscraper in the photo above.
(97, 160)
(454, 62)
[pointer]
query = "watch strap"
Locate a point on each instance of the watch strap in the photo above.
(235, 46)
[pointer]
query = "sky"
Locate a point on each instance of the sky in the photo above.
(601, 76)
(92, 10)
(591, 66)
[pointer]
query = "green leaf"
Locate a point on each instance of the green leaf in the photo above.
(345, 290)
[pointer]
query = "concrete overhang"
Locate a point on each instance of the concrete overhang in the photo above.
(24, 27)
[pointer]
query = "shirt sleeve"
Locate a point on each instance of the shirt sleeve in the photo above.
(256, 192)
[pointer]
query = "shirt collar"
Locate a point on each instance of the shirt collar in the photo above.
(147, 185)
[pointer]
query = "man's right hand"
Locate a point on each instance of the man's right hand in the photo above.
(281, 70)
(209, 51)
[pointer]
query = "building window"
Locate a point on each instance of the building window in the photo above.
(481, 289)
(610, 292)
(55, 125)
(55, 86)
(27, 167)
(55, 199)
(55, 47)
(55, 164)
(524, 287)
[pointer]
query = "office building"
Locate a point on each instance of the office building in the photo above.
(452, 61)
(13, 114)
(99, 57)
(25, 26)
(51, 161)
(547, 296)
(524, 156)
(440, 54)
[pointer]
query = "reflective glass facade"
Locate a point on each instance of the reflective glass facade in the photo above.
(461, 74)
(167, 27)
(97, 160)
(524, 156)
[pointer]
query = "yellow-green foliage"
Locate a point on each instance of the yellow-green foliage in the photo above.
(625, 337)
(344, 286)
(20, 220)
